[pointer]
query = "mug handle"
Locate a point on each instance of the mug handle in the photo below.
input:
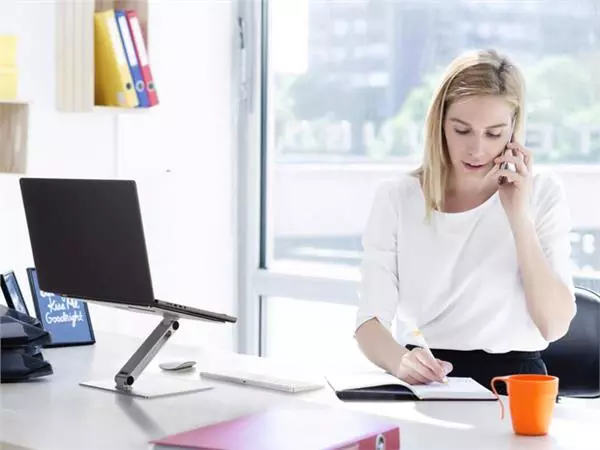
(494, 380)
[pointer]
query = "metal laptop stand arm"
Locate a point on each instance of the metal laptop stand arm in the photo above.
(146, 352)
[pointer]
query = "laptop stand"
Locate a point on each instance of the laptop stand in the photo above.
(149, 386)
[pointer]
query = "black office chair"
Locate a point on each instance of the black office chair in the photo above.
(575, 358)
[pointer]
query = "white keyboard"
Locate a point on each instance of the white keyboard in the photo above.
(262, 380)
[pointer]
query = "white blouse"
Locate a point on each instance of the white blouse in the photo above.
(457, 278)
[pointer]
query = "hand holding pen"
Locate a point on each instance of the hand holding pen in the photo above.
(419, 366)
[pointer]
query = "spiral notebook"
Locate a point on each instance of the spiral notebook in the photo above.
(383, 386)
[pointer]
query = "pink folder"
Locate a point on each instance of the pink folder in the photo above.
(308, 427)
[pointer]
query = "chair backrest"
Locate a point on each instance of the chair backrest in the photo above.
(575, 358)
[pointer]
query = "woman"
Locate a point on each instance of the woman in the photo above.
(480, 266)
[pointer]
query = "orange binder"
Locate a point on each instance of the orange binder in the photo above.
(113, 82)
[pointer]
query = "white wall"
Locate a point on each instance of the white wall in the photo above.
(180, 153)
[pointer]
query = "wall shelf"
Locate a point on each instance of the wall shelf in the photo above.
(14, 126)
(75, 50)
(13, 102)
(116, 110)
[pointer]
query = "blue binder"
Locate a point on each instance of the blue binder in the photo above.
(132, 61)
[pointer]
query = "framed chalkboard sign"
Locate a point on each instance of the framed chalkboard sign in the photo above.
(12, 292)
(66, 319)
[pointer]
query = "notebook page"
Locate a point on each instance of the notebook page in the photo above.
(456, 388)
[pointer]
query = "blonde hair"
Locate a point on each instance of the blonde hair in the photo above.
(482, 72)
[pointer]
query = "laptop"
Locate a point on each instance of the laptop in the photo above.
(87, 240)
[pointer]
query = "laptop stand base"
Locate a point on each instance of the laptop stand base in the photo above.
(153, 385)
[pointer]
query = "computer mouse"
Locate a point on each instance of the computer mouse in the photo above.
(177, 365)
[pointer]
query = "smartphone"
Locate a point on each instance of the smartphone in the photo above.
(506, 165)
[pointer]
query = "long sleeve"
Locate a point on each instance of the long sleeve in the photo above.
(378, 293)
(553, 228)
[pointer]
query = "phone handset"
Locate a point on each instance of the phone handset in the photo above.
(506, 165)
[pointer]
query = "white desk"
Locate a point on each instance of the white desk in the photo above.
(57, 413)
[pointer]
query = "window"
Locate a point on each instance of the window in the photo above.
(360, 26)
(337, 127)
(320, 201)
(340, 27)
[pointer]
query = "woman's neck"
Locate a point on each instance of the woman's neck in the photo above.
(469, 185)
(463, 194)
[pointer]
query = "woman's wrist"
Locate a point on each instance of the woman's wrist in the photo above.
(521, 225)
(398, 358)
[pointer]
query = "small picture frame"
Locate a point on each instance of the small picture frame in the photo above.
(66, 319)
(12, 292)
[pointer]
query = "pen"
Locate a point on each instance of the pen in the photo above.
(417, 333)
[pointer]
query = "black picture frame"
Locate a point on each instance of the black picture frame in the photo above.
(66, 319)
(12, 292)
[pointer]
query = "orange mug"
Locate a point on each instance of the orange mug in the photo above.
(531, 399)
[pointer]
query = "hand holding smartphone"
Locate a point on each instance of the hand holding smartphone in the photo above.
(506, 165)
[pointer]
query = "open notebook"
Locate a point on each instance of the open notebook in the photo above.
(374, 385)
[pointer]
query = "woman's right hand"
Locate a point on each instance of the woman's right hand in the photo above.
(418, 367)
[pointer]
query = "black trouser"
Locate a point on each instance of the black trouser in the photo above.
(483, 366)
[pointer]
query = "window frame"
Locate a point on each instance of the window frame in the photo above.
(255, 281)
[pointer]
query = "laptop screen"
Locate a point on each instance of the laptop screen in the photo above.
(87, 239)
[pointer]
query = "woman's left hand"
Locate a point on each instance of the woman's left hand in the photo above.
(516, 190)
